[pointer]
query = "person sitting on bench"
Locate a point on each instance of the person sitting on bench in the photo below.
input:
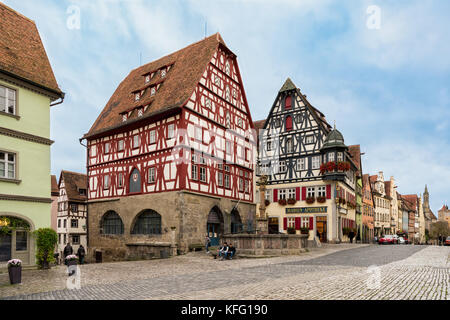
(231, 251)
(223, 250)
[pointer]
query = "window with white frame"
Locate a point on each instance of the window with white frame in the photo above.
(282, 166)
(316, 162)
(107, 147)
(277, 123)
(194, 172)
(291, 193)
(291, 222)
(106, 181)
(120, 180)
(289, 145)
(268, 195)
(304, 223)
(330, 156)
(241, 184)
(321, 191)
(309, 139)
(152, 138)
(340, 156)
(310, 192)
(282, 194)
(136, 141)
(269, 145)
(227, 181)
(170, 131)
(120, 145)
(301, 164)
(228, 147)
(220, 179)
(203, 174)
(7, 100)
(7, 165)
(151, 175)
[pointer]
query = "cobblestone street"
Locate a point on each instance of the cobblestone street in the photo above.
(332, 272)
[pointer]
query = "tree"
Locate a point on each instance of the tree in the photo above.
(439, 228)
(46, 240)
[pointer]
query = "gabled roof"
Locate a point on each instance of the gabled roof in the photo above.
(187, 68)
(22, 53)
(73, 182)
(373, 178)
(55, 188)
(411, 201)
(387, 188)
(288, 85)
(259, 124)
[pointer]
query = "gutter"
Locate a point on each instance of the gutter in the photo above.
(63, 94)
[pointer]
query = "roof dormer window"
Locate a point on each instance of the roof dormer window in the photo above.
(163, 73)
(147, 78)
(124, 117)
(152, 91)
(137, 96)
(140, 112)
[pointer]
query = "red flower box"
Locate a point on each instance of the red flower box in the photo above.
(291, 201)
(321, 199)
(282, 202)
(310, 200)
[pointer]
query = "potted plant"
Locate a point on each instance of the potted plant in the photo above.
(321, 199)
(304, 230)
(310, 200)
(71, 260)
(291, 230)
(282, 202)
(266, 202)
(46, 240)
(15, 271)
(291, 201)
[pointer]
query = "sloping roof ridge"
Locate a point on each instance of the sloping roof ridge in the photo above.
(18, 13)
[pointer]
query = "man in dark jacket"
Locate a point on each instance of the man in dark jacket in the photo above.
(67, 251)
(81, 253)
(231, 251)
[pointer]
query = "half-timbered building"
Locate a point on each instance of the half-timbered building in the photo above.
(170, 157)
(308, 167)
(382, 205)
(72, 210)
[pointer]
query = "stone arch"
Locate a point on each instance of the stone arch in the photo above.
(147, 222)
(235, 221)
(111, 223)
(215, 225)
(19, 243)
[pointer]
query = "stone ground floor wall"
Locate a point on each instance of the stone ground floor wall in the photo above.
(183, 223)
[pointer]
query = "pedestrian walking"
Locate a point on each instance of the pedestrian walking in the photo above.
(67, 251)
(207, 243)
(81, 253)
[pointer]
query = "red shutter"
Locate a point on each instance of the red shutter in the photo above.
(297, 223)
(297, 193)
(288, 102)
(311, 223)
(275, 195)
(284, 223)
(303, 193)
(328, 191)
(288, 123)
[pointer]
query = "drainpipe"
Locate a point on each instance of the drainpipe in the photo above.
(87, 195)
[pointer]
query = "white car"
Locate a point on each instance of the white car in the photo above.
(401, 240)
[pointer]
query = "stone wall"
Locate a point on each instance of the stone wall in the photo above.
(183, 222)
(268, 244)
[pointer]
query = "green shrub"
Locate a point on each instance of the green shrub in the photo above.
(46, 240)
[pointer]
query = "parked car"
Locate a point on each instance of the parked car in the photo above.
(395, 238)
(401, 240)
(447, 241)
(387, 239)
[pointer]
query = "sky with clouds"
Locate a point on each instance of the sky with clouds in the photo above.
(385, 82)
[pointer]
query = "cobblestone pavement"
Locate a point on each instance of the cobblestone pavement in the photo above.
(332, 272)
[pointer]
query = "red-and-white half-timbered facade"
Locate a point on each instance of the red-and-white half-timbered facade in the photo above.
(171, 156)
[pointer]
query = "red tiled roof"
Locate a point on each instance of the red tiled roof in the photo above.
(55, 188)
(187, 67)
(411, 201)
(73, 182)
(21, 50)
(259, 124)
(373, 178)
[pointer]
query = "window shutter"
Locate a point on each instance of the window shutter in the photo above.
(303, 193)
(275, 195)
(288, 123)
(311, 223)
(297, 193)
(284, 223)
(328, 191)
(288, 102)
(297, 223)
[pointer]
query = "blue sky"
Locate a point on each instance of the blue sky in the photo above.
(386, 88)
